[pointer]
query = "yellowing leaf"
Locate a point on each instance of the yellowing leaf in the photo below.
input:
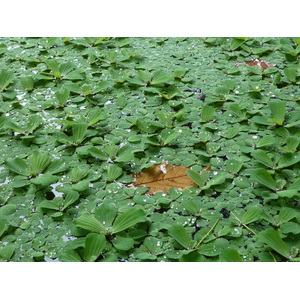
(161, 177)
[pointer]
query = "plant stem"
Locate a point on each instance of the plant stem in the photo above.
(210, 230)
(243, 224)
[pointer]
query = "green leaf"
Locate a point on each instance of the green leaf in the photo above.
(39, 161)
(199, 179)
(207, 113)
(191, 206)
(287, 193)
(180, 235)
(230, 255)
(233, 166)
(95, 115)
(123, 243)
(97, 153)
(266, 141)
(253, 214)
(8, 209)
(106, 213)
(79, 132)
(62, 95)
(213, 248)
(295, 185)
(6, 77)
(127, 219)
(89, 222)
(27, 82)
(237, 42)
(173, 136)
(18, 165)
(94, 245)
(44, 179)
(290, 73)
(3, 226)
(160, 76)
(278, 110)
(272, 238)
(49, 205)
(111, 150)
(287, 160)
(216, 180)
(53, 66)
(113, 172)
(292, 143)
(180, 72)
(57, 166)
(76, 75)
(125, 157)
(286, 214)
(66, 68)
(69, 255)
(71, 197)
(103, 85)
(81, 185)
(78, 173)
(34, 121)
(263, 177)
(263, 158)
(290, 227)
(145, 76)
(7, 251)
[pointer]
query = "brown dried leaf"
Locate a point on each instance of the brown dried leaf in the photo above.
(256, 62)
(161, 177)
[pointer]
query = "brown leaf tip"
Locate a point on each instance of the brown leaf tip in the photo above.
(161, 177)
(256, 62)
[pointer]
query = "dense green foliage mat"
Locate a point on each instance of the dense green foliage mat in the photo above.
(78, 116)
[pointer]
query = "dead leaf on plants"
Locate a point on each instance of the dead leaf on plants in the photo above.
(161, 177)
(256, 62)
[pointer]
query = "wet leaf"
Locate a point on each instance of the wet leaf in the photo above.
(161, 177)
(106, 213)
(127, 219)
(70, 255)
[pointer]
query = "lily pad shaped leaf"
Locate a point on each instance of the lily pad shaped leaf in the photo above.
(161, 177)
